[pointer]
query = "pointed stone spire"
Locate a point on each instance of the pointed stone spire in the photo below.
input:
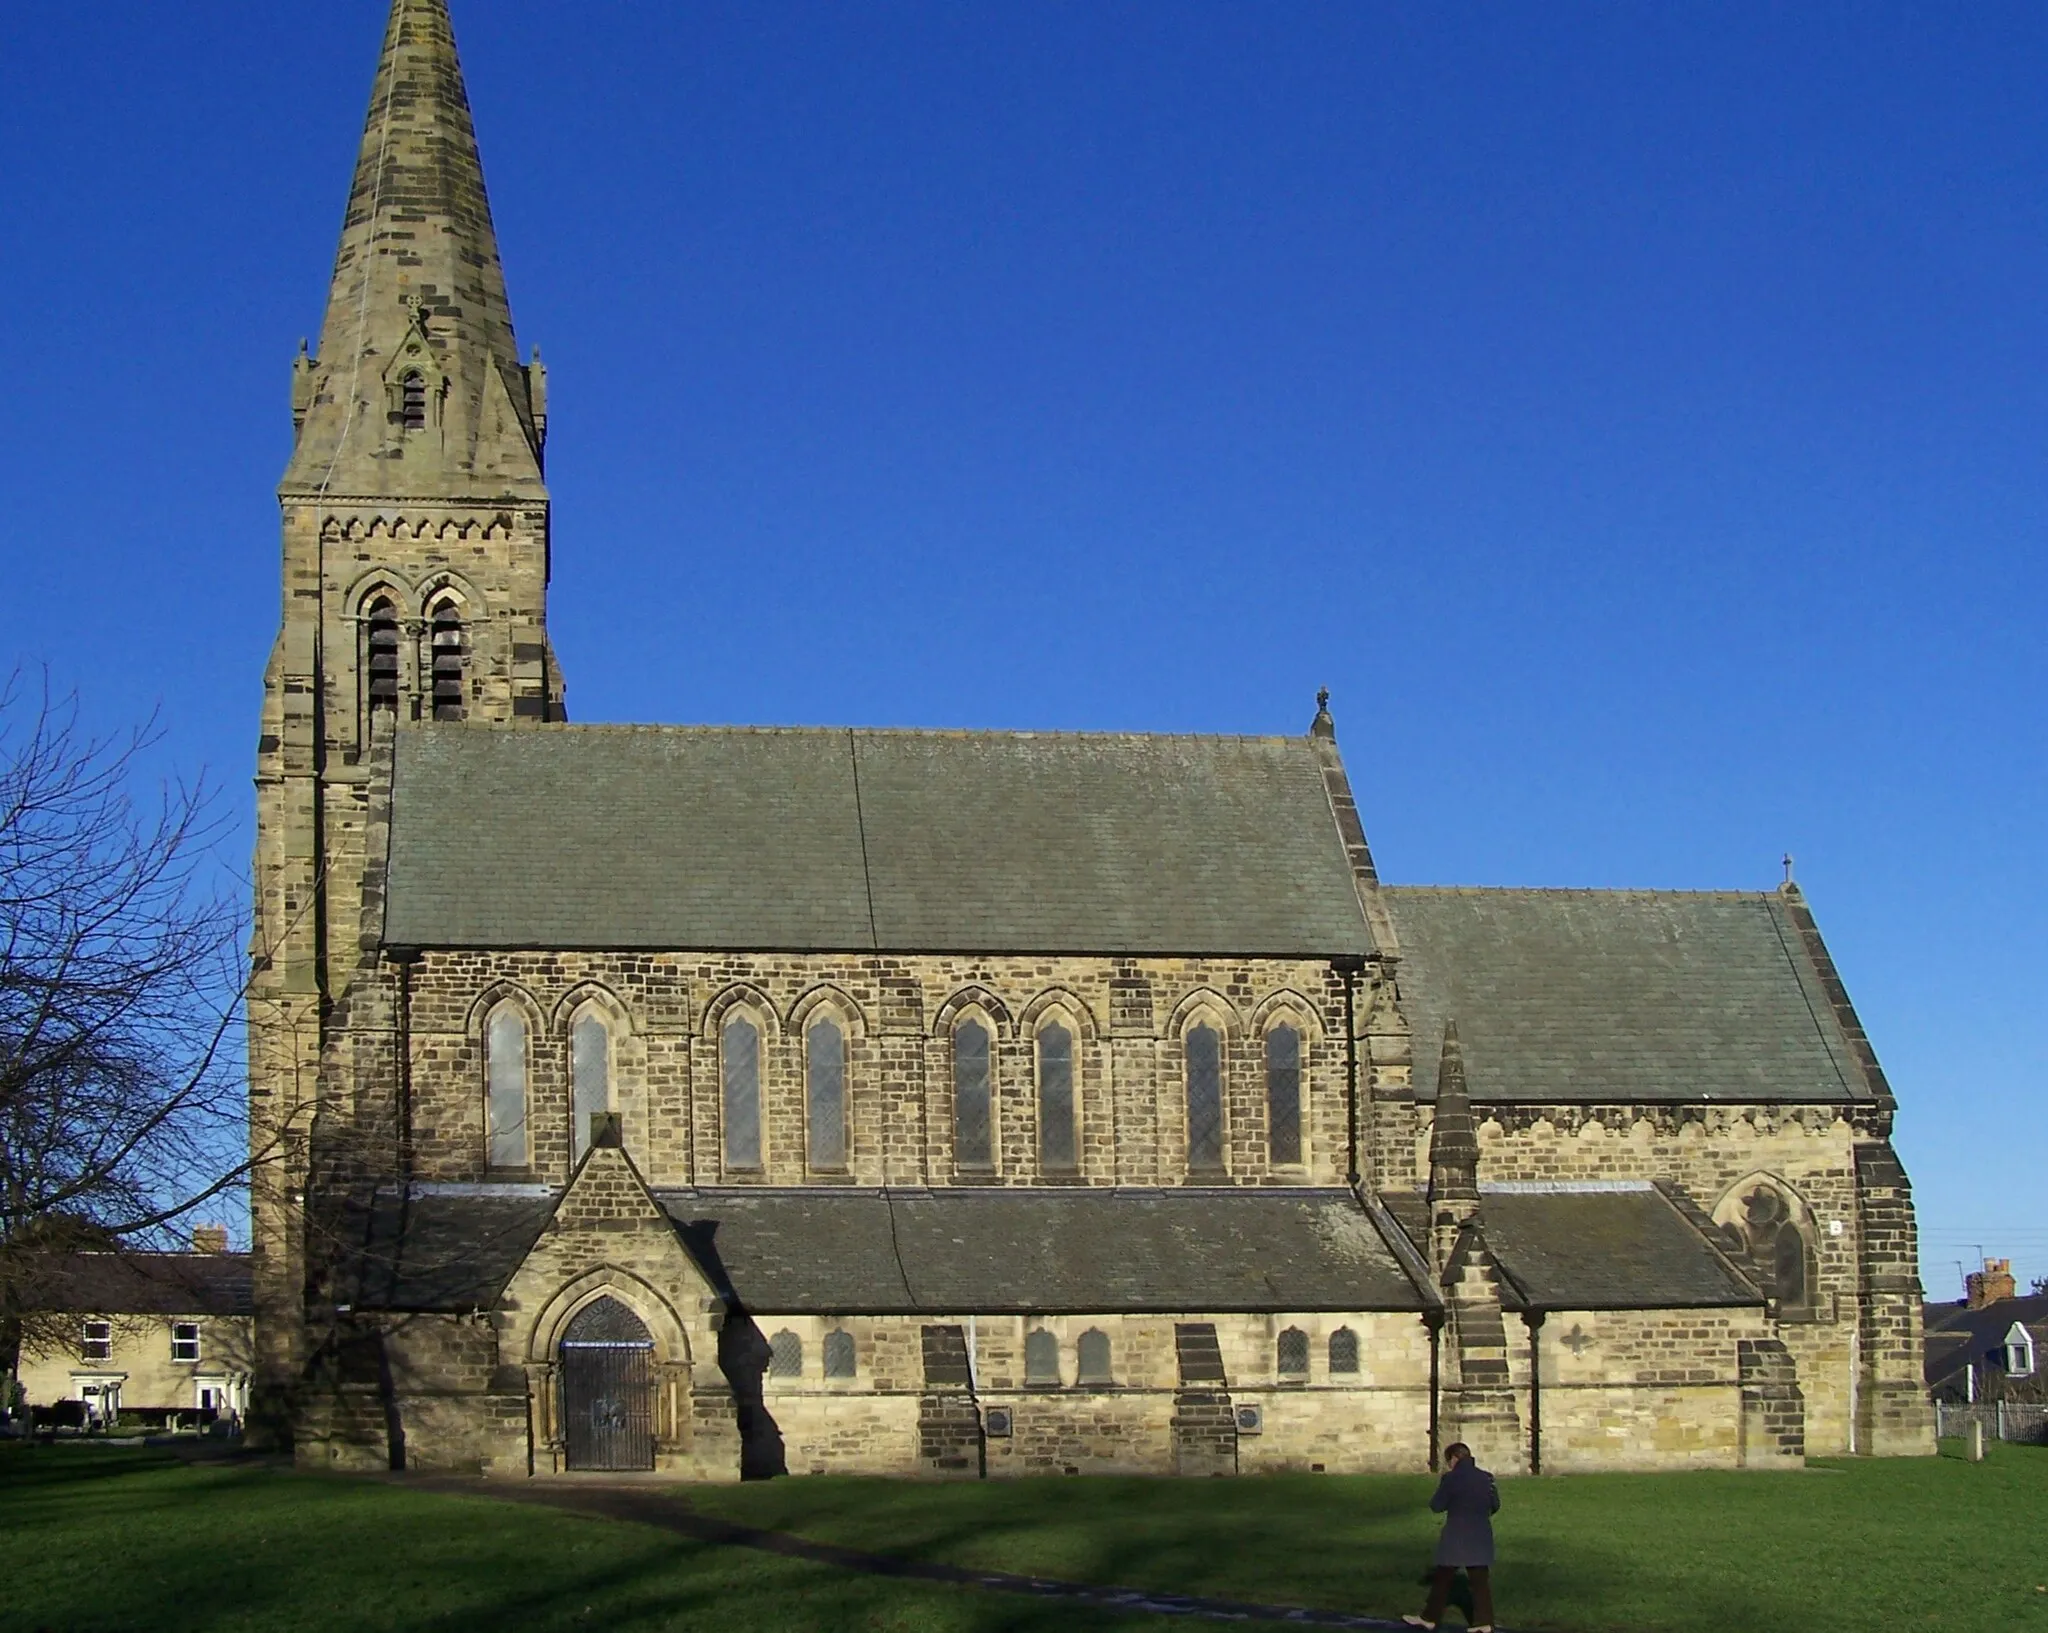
(1453, 1136)
(418, 388)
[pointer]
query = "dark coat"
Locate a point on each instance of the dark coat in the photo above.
(1468, 1499)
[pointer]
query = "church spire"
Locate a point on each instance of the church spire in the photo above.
(418, 389)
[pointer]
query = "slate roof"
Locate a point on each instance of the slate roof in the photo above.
(1610, 1248)
(972, 1251)
(966, 1251)
(147, 1284)
(825, 840)
(1619, 995)
(1956, 1335)
(435, 1249)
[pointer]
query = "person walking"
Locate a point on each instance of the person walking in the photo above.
(1468, 1499)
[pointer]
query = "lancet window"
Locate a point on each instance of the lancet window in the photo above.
(1283, 1096)
(380, 653)
(1056, 1146)
(825, 1085)
(448, 657)
(973, 1145)
(1091, 1358)
(739, 1048)
(505, 1074)
(1204, 1048)
(590, 1075)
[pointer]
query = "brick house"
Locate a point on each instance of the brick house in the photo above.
(748, 1101)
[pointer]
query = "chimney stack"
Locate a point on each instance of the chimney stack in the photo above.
(1991, 1284)
(209, 1238)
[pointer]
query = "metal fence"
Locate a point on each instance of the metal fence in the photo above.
(2003, 1420)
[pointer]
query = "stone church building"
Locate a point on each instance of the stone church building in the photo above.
(729, 1101)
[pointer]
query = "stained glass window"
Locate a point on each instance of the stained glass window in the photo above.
(1056, 1098)
(740, 1064)
(505, 1067)
(1205, 1097)
(1293, 1353)
(1283, 1096)
(590, 1072)
(972, 1145)
(825, 1060)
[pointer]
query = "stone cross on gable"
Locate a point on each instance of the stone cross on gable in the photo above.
(1578, 1340)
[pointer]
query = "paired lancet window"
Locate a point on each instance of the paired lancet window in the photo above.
(1204, 1047)
(448, 655)
(380, 652)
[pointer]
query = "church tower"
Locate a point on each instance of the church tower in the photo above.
(415, 571)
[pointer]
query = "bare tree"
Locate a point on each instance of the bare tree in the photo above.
(121, 1105)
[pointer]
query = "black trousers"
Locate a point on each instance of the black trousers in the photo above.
(1482, 1593)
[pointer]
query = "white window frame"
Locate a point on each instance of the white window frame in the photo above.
(2019, 1352)
(177, 1329)
(96, 1330)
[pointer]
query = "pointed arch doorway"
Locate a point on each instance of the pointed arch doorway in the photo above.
(608, 1389)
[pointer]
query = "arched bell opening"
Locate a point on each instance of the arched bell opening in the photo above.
(607, 1372)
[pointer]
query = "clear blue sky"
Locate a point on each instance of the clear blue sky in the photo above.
(1634, 414)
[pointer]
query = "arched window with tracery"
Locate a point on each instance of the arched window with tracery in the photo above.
(1292, 1355)
(448, 657)
(1777, 1248)
(973, 1144)
(1283, 1096)
(1204, 1049)
(1056, 1145)
(785, 1355)
(739, 1061)
(505, 1073)
(380, 653)
(825, 1092)
(590, 1075)
(1343, 1352)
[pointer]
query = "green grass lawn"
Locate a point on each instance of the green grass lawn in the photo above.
(1864, 1546)
(112, 1541)
(109, 1539)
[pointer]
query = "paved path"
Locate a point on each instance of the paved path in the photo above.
(645, 1504)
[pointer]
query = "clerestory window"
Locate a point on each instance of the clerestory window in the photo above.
(973, 1146)
(739, 1048)
(505, 1075)
(1283, 1097)
(1056, 1148)
(1204, 1046)
(590, 1075)
(825, 1085)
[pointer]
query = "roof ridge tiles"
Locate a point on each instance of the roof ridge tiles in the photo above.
(527, 732)
(1604, 892)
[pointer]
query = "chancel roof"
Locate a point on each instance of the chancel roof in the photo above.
(1625, 995)
(846, 840)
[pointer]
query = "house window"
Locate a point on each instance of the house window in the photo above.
(1091, 1356)
(449, 657)
(412, 401)
(1056, 1099)
(1343, 1351)
(1293, 1354)
(972, 1145)
(1205, 1097)
(2019, 1352)
(184, 1340)
(380, 653)
(739, 1051)
(785, 1355)
(1283, 1097)
(505, 1072)
(825, 1081)
(839, 1359)
(590, 1072)
(1041, 1357)
(96, 1341)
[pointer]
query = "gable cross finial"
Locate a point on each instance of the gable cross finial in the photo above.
(1788, 867)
